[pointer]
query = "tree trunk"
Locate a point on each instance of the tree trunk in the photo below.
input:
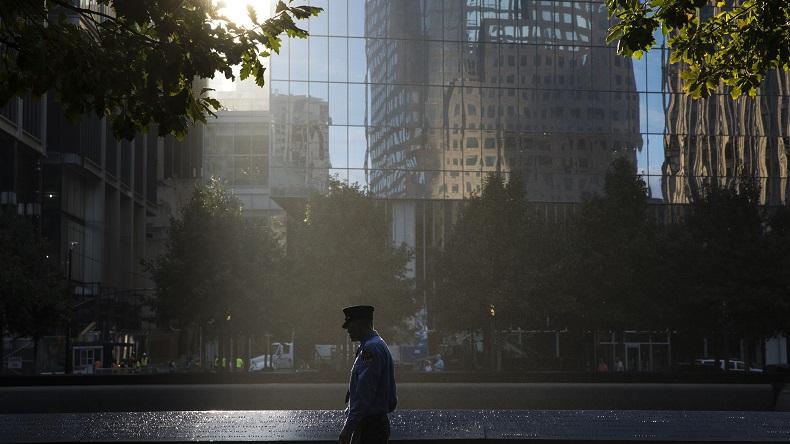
(36, 338)
(13, 345)
(725, 348)
(2, 343)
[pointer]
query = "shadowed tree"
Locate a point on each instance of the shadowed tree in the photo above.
(219, 270)
(606, 268)
(730, 267)
(32, 287)
(340, 254)
(486, 261)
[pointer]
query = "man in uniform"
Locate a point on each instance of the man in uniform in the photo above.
(371, 392)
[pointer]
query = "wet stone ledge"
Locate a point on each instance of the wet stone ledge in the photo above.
(558, 426)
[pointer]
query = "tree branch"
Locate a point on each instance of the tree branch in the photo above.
(89, 14)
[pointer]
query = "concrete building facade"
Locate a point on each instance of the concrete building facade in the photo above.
(97, 201)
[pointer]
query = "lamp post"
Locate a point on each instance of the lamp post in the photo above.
(229, 353)
(492, 326)
(69, 364)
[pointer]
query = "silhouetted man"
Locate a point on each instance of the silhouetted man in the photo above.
(371, 391)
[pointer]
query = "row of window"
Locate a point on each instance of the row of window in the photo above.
(351, 60)
(348, 17)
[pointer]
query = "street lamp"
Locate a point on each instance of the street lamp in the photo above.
(69, 364)
(495, 363)
(228, 352)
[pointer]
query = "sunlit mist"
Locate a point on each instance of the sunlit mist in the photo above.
(236, 10)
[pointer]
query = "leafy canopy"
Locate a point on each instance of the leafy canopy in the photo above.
(217, 265)
(730, 264)
(134, 61)
(32, 287)
(487, 262)
(608, 256)
(340, 254)
(723, 41)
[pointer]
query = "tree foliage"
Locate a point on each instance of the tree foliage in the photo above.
(606, 267)
(732, 42)
(487, 261)
(341, 254)
(217, 265)
(136, 61)
(730, 265)
(32, 287)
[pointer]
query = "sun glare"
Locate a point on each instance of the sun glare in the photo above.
(236, 10)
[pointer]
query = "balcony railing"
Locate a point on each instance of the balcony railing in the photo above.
(10, 111)
(31, 115)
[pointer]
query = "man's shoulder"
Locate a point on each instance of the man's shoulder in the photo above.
(376, 345)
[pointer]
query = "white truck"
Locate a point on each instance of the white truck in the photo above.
(281, 358)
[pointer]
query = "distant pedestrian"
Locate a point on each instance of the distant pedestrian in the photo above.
(618, 365)
(371, 392)
(438, 364)
(602, 367)
(239, 363)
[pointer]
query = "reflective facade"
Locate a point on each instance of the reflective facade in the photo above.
(517, 87)
(723, 138)
(266, 144)
(425, 98)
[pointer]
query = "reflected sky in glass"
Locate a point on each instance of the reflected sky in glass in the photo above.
(332, 66)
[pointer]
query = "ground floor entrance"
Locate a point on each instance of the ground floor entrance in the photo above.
(634, 351)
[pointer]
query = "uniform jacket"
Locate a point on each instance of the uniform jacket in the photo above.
(372, 387)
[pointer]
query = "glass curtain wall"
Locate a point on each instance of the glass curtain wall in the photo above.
(424, 98)
(419, 100)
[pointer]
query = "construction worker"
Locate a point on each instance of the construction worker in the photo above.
(144, 362)
(239, 363)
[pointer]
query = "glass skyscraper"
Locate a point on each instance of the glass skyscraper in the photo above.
(461, 89)
(425, 98)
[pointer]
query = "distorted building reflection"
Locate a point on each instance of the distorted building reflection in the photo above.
(264, 145)
(522, 87)
(720, 139)
(300, 145)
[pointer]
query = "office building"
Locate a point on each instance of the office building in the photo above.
(459, 90)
